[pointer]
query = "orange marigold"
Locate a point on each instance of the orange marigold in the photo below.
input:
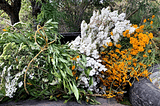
(142, 26)
(150, 35)
(111, 33)
(144, 21)
(138, 30)
(145, 55)
(110, 44)
(77, 56)
(118, 46)
(153, 16)
(4, 30)
(149, 51)
(76, 78)
(135, 26)
(73, 67)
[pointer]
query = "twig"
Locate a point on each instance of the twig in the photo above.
(42, 49)
(133, 13)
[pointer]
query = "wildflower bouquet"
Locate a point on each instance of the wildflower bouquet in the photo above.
(108, 55)
(116, 51)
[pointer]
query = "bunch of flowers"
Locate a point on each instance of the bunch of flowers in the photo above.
(116, 51)
(109, 54)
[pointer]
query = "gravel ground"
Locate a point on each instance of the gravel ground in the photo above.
(104, 102)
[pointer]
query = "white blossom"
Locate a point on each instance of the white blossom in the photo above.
(92, 72)
(20, 84)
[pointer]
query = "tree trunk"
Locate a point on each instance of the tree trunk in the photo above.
(12, 10)
(14, 16)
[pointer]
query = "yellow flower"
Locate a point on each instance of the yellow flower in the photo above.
(129, 63)
(135, 26)
(110, 44)
(76, 78)
(134, 60)
(77, 56)
(141, 64)
(74, 73)
(104, 46)
(145, 55)
(4, 30)
(111, 33)
(128, 35)
(103, 53)
(153, 16)
(149, 51)
(151, 22)
(135, 64)
(142, 26)
(144, 21)
(138, 30)
(150, 35)
(118, 46)
(73, 67)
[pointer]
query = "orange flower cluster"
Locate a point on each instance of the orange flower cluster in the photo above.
(75, 58)
(74, 72)
(124, 63)
(138, 40)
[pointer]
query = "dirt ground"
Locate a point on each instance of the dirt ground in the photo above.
(104, 102)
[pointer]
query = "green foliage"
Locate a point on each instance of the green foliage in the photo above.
(49, 11)
(50, 75)
(70, 12)
(138, 10)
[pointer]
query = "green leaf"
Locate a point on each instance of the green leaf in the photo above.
(65, 54)
(65, 101)
(63, 60)
(53, 97)
(87, 72)
(75, 91)
(63, 74)
(64, 84)
(69, 71)
(54, 63)
(48, 59)
(81, 66)
(83, 63)
(91, 81)
(1, 95)
(84, 58)
(49, 21)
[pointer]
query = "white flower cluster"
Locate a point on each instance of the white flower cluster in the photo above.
(11, 82)
(98, 33)
(95, 65)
